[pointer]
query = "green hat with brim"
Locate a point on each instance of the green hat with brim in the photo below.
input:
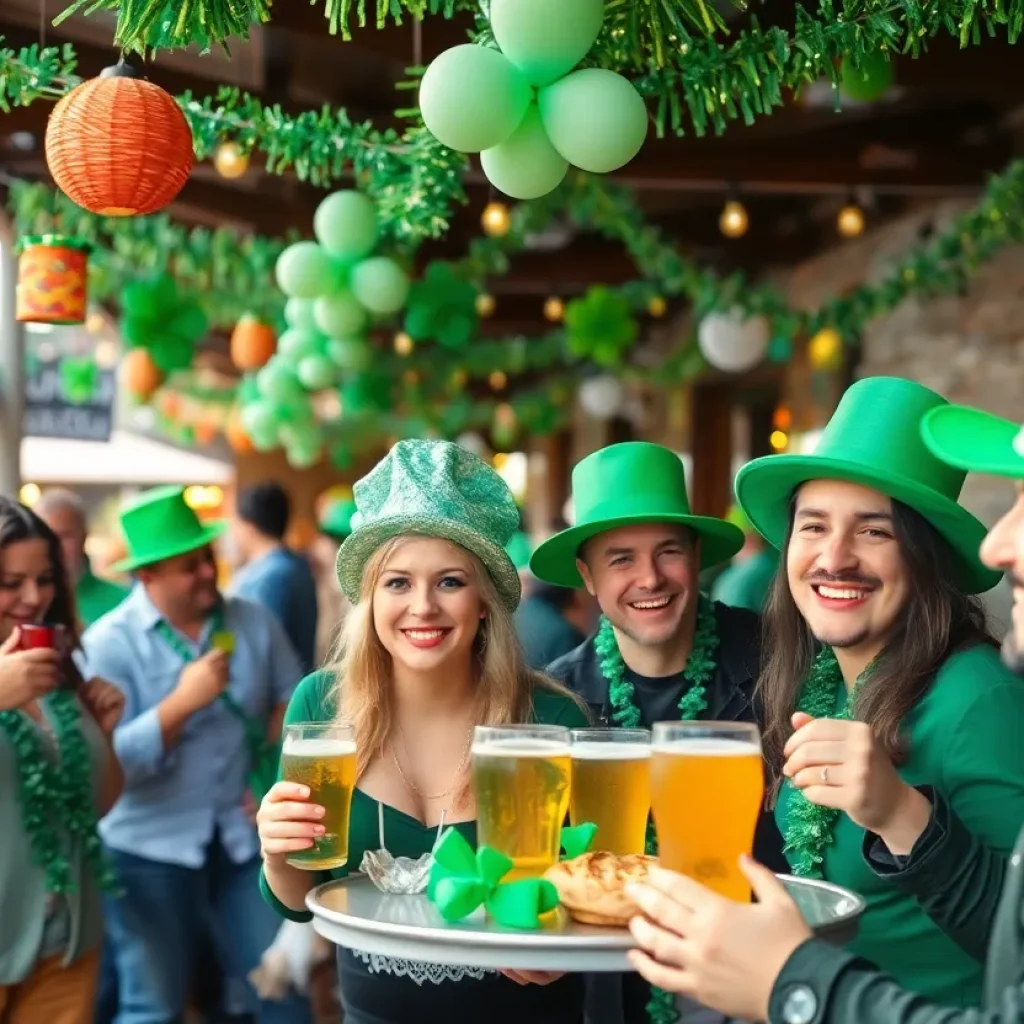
(433, 489)
(874, 439)
(629, 484)
(975, 441)
(519, 550)
(159, 525)
(337, 519)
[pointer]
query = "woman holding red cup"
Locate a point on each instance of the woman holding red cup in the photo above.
(58, 776)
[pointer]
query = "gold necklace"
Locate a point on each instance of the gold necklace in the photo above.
(412, 785)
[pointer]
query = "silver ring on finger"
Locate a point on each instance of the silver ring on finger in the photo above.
(824, 775)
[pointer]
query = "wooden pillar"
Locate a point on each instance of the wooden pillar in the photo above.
(711, 445)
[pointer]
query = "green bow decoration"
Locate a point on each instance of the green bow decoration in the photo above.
(78, 379)
(442, 308)
(461, 881)
(600, 326)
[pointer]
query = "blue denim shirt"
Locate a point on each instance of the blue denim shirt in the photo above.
(175, 799)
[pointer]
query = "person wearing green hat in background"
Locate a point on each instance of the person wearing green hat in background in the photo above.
(427, 653)
(335, 525)
(663, 650)
(542, 618)
(206, 680)
(747, 581)
(64, 512)
(765, 963)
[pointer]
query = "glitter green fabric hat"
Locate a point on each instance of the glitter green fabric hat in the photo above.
(436, 489)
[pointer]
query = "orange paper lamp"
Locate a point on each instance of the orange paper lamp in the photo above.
(118, 145)
(141, 376)
(52, 280)
(252, 343)
(237, 437)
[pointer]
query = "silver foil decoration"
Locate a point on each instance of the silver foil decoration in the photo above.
(402, 876)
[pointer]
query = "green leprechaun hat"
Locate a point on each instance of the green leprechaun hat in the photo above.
(627, 485)
(158, 525)
(975, 441)
(874, 439)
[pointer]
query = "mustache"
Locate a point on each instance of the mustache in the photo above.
(820, 576)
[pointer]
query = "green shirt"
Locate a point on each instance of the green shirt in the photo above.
(404, 835)
(964, 737)
(96, 597)
(22, 882)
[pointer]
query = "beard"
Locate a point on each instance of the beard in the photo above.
(843, 640)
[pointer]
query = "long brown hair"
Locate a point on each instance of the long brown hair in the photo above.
(937, 620)
(362, 666)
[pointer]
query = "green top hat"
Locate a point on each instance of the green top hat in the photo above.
(437, 489)
(975, 441)
(627, 485)
(337, 519)
(518, 549)
(873, 439)
(159, 525)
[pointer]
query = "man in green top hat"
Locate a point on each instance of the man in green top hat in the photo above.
(206, 683)
(663, 651)
(765, 964)
(64, 512)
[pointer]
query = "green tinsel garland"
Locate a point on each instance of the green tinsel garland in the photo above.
(57, 799)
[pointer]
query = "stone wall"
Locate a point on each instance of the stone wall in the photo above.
(969, 348)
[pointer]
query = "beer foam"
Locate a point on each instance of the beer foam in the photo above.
(597, 751)
(317, 747)
(521, 748)
(708, 746)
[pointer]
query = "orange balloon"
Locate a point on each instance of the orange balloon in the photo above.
(252, 343)
(237, 437)
(141, 376)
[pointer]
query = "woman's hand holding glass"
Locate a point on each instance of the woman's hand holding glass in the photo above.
(26, 675)
(287, 822)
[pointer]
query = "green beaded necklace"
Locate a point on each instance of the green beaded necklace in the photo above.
(700, 670)
(57, 808)
(809, 828)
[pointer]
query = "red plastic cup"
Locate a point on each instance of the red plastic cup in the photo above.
(32, 637)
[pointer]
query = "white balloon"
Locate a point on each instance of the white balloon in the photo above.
(602, 397)
(730, 343)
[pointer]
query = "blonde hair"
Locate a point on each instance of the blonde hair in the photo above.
(362, 666)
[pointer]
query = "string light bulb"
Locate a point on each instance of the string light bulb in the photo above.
(230, 160)
(554, 310)
(779, 440)
(403, 344)
(657, 306)
(850, 221)
(498, 380)
(496, 219)
(734, 220)
(485, 304)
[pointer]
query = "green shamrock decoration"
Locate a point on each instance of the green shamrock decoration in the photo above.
(442, 308)
(78, 380)
(600, 326)
(157, 317)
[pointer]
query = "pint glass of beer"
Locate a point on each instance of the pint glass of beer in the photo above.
(611, 786)
(521, 781)
(322, 756)
(707, 785)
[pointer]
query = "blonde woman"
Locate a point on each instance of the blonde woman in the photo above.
(428, 652)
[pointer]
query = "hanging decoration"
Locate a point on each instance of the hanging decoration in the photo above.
(524, 109)
(825, 350)
(231, 161)
(118, 145)
(140, 376)
(868, 79)
(442, 308)
(600, 326)
(733, 343)
(602, 397)
(158, 318)
(52, 280)
(496, 219)
(78, 378)
(253, 342)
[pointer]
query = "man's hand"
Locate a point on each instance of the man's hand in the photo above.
(203, 680)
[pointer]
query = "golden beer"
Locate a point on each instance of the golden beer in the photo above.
(322, 757)
(707, 786)
(521, 781)
(611, 786)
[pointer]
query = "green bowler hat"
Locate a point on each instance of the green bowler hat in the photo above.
(975, 441)
(628, 485)
(436, 489)
(159, 525)
(874, 439)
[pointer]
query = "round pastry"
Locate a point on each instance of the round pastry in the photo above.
(592, 888)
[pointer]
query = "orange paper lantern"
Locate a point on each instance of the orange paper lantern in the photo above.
(237, 437)
(52, 281)
(252, 343)
(118, 145)
(141, 376)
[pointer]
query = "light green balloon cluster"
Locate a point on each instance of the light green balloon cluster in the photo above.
(524, 109)
(337, 288)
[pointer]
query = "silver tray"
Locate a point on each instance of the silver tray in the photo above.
(353, 913)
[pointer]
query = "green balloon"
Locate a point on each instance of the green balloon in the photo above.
(346, 225)
(526, 165)
(316, 372)
(340, 315)
(299, 313)
(352, 354)
(380, 284)
(260, 423)
(297, 344)
(546, 39)
(278, 381)
(595, 118)
(472, 98)
(304, 271)
(871, 81)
